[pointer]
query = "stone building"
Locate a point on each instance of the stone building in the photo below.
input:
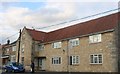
(84, 47)
(8, 52)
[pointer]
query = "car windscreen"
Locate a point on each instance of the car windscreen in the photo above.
(16, 64)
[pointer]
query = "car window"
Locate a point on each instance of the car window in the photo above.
(16, 64)
(10, 64)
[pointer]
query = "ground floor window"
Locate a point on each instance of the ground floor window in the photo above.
(74, 60)
(56, 60)
(22, 60)
(96, 58)
(13, 58)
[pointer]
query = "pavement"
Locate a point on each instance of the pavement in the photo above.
(64, 73)
(0, 71)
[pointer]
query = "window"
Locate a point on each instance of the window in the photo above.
(56, 60)
(7, 50)
(95, 38)
(57, 45)
(13, 59)
(74, 42)
(13, 48)
(40, 47)
(22, 48)
(22, 60)
(23, 36)
(96, 59)
(74, 60)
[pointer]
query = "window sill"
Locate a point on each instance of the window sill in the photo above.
(56, 48)
(96, 63)
(75, 65)
(95, 42)
(56, 64)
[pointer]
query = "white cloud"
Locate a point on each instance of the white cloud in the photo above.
(14, 18)
(59, 0)
(57, 11)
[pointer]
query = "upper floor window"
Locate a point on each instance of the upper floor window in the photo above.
(56, 60)
(74, 42)
(40, 46)
(74, 60)
(57, 45)
(13, 59)
(95, 38)
(7, 50)
(96, 59)
(13, 48)
(22, 48)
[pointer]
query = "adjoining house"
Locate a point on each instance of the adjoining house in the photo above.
(84, 47)
(8, 52)
(0, 55)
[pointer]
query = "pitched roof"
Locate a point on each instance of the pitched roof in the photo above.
(36, 35)
(92, 26)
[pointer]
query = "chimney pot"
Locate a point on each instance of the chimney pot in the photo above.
(8, 41)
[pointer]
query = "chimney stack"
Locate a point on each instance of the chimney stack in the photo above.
(8, 41)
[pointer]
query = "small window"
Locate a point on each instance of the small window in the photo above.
(74, 60)
(96, 59)
(74, 42)
(22, 50)
(56, 60)
(13, 59)
(57, 45)
(95, 38)
(7, 50)
(40, 47)
(13, 48)
(22, 60)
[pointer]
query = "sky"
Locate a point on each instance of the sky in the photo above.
(15, 14)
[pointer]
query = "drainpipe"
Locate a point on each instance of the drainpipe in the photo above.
(68, 52)
(68, 55)
(19, 46)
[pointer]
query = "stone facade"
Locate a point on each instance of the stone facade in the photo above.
(30, 51)
(84, 50)
(25, 49)
(85, 47)
(8, 52)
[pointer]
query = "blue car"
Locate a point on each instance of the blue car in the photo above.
(14, 67)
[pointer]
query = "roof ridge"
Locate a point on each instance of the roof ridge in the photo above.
(35, 30)
(82, 23)
(91, 26)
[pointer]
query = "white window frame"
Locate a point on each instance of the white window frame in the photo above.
(22, 50)
(56, 60)
(57, 45)
(13, 48)
(13, 58)
(7, 50)
(95, 38)
(75, 60)
(22, 60)
(96, 56)
(74, 42)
